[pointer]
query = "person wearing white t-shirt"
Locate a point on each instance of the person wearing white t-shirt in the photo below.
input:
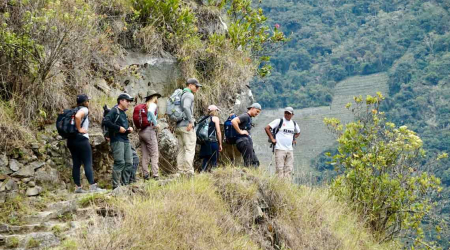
(283, 138)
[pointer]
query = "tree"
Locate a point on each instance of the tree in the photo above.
(383, 177)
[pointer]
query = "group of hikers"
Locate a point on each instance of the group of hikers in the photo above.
(281, 132)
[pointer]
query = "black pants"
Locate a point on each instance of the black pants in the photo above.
(245, 147)
(81, 154)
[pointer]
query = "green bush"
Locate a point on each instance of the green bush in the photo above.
(383, 175)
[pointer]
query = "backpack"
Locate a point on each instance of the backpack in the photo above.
(202, 130)
(174, 109)
(65, 123)
(230, 133)
(277, 129)
(140, 116)
(105, 129)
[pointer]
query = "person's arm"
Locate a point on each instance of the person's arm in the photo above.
(235, 122)
(296, 135)
(78, 118)
(216, 121)
(269, 133)
(187, 103)
(152, 118)
(109, 122)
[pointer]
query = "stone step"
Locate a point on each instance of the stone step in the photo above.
(39, 240)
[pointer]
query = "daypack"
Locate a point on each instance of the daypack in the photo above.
(105, 129)
(174, 109)
(65, 123)
(277, 129)
(202, 130)
(230, 133)
(140, 116)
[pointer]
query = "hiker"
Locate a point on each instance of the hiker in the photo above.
(244, 143)
(282, 134)
(209, 150)
(185, 129)
(80, 148)
(117, 122)
(147, 135)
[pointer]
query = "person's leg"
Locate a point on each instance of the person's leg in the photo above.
(181, 150)
(289, 165)
(144, 139)
(154, 152)
(128, 157)
(76, 161)
(279, 163)
(205, 163)
(135, 165)
(242, 146)
(119, 163)
(215, 156)
(85, 151)
(190, 139)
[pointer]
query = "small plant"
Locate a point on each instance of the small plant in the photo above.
(33, 243)
(95, 199)
(12, 242)
(57, 230)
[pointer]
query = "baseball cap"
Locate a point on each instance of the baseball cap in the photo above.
(125, 96)
(255, 105)
(289, 109)
(82, 98)
(212, 108)
(193, 81)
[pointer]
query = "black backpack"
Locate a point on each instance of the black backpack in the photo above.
(105, 129)
(65, 123)
(202, 130)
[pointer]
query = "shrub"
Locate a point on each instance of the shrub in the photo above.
(383, 178)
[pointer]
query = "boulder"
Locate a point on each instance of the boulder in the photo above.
(14, 165)
(102, 85)
(46, 175)
(31, 184)
(4, 170)
(168, 148)
(25, 172)
(33, 191)
(3, 177)
(10, 185)
(37, 164)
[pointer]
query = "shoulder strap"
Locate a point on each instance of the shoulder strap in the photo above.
(279, 126)
(118, 115)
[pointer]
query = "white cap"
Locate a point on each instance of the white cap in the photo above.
(289, 109)
(213, 107)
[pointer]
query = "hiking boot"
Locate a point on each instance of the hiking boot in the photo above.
(79, 190)
(155, 178)
(146, 177)
(94, 189)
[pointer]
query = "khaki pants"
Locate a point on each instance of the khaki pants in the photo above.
(186, 150)
(149, 146)
(284, 163)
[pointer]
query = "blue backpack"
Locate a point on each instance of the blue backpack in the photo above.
(231, 134)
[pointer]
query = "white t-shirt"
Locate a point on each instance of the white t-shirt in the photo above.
(85, 124)
(285, 136)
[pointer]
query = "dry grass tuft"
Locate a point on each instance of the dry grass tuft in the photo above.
(216, 211)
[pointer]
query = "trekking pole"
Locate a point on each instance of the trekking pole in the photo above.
(273, 154)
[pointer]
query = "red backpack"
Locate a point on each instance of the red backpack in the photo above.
(140, 116)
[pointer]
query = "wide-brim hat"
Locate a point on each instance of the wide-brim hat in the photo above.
(152, 93)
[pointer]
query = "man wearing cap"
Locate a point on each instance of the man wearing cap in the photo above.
(282, 133)
(117, 122)
(244, 143)
(80, 148)
(148, 136)
(185, 129)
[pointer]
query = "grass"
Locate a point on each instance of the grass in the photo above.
(33, 243)
(216, 211)
(97, 199)
(12, 242)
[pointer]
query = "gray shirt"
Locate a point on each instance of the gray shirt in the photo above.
(85, 124)
(187, 104)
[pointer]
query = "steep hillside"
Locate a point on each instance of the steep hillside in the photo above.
(229, 209)
(315, 137)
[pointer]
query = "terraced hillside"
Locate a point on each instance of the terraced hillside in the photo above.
(315, 137)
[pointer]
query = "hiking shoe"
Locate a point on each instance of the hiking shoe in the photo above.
(79, 190)
(146, 177)
(94, 189)
(155, 178)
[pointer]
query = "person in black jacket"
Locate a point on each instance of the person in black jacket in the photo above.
(244, 143)
(117, 122)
